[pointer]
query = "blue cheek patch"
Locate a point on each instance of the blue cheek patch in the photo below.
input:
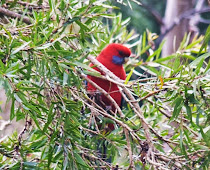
(118, 60)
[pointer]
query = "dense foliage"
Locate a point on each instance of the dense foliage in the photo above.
(43, 66)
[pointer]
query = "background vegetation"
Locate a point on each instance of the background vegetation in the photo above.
(45, 48)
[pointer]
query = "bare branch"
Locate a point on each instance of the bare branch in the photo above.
(104, 113)
(129, 149)
(135, 107)
(169, 116)
(179, 19)
(14, 15)
(29, 5)
(151, 10)
(106, 94)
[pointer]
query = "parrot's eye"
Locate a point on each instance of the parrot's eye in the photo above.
(121, 53)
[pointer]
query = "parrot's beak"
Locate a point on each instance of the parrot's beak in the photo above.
(126, 59)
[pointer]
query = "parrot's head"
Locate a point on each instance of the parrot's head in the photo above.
(116, 53)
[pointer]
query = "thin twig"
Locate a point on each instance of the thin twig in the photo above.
(131, 166)
(104, 113)
(104, 93)
(134, 103)
(182, 156)
(151, 10)
(29, 5)
(146, 126)
(169, 116)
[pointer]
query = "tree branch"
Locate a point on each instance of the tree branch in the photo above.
(14, 15)
(151, 10)
(129, 149)
(106, 94)
(179, 19)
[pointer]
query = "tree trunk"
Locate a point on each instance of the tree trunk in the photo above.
(7, 127)
(174, 9)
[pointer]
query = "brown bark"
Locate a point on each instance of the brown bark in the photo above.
(174, 9)
(7, 127)
(14, 15)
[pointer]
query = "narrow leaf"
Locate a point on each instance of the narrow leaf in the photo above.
(20, 48)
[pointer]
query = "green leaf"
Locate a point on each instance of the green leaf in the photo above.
(178, 106)
(206, 40)
(188, 137)
(30, 164)
(64, 66)
(80, 160)
(199, 66)
(83, 26)
(199, 59)
(165, 58)
(20, 48)
(182, 147)
(111, 16)
(44, 46)
(129, 76)
(205, 136)
(197, 119)
(188, 56)
(189, 112)
(12, 110)
(3, 68)
(191, 45)
(62, 5)
(50, 3)
(22, 96)
(8, 33)
(183, 42)
(49, 118)
(50, 155)
(156, 52)
(192, 99)
(71, 21)
(65, 78)
(86, 67)
(144, 41)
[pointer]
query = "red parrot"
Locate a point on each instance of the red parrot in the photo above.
(112, 57)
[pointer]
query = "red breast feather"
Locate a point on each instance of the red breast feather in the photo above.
(105, 57)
